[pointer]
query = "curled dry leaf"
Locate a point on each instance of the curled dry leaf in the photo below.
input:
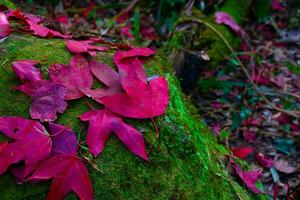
(4, 26)
(35, 24)
(30, 143)
(47, 101)
(75, 76)
(26, 70)
(84, 46)
(225, 18)
(102, 123)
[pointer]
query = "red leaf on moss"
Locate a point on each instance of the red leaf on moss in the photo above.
(68, 173)
(4, 26)
(249, 178)
(73, 77)
(31, 87)
(102, 123)
(141, 100)
(241, 152)
(26, 70)
(67, 170)
(84, 46)
(30, 143)
(225, 18)
(47, 101)
(64, 140)
(35, 25)
(106, 75)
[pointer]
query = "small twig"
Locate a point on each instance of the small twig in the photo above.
(155, 126)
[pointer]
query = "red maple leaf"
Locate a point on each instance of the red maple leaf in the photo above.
(241, 152)
(140, 100)
(30, 143)
(102, 123)
(106, 75)
(65, 167)
(84, 46)
(75, 76)
(47, 101)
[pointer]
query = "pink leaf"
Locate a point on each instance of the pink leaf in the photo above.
(225, 18)
(84, 46)
(26, 70)
(241, 152)
(264, 161)
(249, 135)
(30, 143)
(4, 26)
(73, 77)
(47, 101)
(126, 31)
(102, 123)
(276, 5)
(249, 178)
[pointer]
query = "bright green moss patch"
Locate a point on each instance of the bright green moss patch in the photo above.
(185, 161)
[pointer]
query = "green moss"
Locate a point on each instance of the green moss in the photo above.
(8, 4)
(185, 161)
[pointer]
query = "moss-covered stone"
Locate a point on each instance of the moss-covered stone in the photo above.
(185, 160)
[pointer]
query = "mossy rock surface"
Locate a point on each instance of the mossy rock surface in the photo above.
(185, 160)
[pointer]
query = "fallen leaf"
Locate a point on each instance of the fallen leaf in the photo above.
(64, 140)
(263, 160)
(241, 152)
(26, 70)
(284, 166)
(31, 87)
(276, 5)
(64, 166)
(47, 101)
(102, 123)
(84, 46)
(68, 173)
(106, 75)
(249, 178)
(225, 18)
(75, 76)
(3, 146)
(30, 143)
(141, 100)
(4, 26)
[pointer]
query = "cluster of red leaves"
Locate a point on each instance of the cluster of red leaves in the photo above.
(127, 93)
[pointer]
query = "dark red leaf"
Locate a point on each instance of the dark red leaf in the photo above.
(106, 75)
(30, 143)
(249, 178)
(64, 140)
(68, 173)
(264, 161)
(241, 152)
(84, 46)
(31, 87)
(26, 70)
(4, 26)
(102, 123)
(73, 77)
(47, 101)
(3, 146)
